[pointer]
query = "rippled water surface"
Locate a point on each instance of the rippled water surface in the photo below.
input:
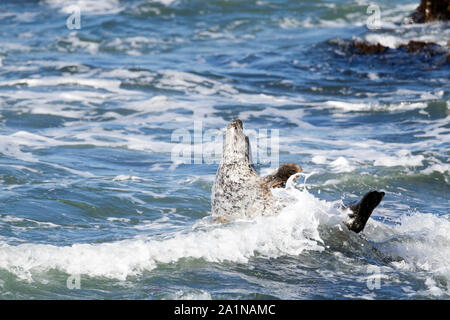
(89, 187)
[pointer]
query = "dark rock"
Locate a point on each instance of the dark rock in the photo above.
(431, 10)
(419, 46)
(368, 48)
(429, 49)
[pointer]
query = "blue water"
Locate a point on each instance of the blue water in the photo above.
(90, 190)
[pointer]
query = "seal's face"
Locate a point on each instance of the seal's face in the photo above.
(236, 145)
(282, 175)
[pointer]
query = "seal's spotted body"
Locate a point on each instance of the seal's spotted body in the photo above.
(238, 192)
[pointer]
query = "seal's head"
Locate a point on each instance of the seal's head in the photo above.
(236, 147)
(281, 176)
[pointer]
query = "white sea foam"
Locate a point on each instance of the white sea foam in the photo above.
(288, 23)
(10, 148)
(385, 40)
(192, 295)
(436, 32)
(127, 74)
(401, 158)
(86, 6)
(437, 167)
(422, 240)
(13, 47)
(346, 155)
(189, 82)
(112, 219)
(112, 85)
(371, 106)
(341, 165)
(18, 222)
(319, 159)
(166, 2)
(124, 177)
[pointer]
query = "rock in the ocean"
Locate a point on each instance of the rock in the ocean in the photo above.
(368, 48)
(428, 48)
(431, 10)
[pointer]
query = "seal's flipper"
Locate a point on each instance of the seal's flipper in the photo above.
(279, 178)
(362, 210)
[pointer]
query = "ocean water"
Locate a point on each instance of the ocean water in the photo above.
(94, 204)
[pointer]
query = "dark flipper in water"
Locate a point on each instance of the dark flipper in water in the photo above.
(362, 210)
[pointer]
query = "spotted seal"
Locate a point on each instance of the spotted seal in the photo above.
(239, 192)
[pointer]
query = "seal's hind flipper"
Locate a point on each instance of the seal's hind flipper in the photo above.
(281, 176)
(362, 210)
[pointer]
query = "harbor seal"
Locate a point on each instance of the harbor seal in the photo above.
(239, 192)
